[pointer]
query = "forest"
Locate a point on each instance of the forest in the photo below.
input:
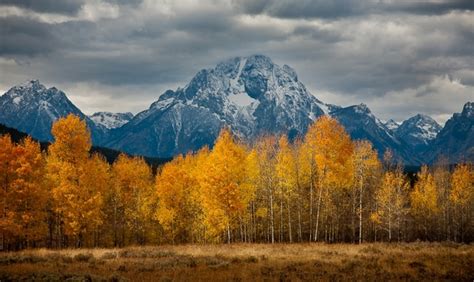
(323, 187)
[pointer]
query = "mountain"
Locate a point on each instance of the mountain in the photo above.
(251, 95)
(456, 140)
(361, 123)
(418, 131)
(392, 125)
(111, 120)
(32, 108)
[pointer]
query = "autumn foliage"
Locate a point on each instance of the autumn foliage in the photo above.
(322, 187)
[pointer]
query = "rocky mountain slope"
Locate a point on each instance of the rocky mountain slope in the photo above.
(418, 131)
(456, 140)
(32, 108)
(251, 95)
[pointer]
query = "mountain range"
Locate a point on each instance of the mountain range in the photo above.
(252, 96)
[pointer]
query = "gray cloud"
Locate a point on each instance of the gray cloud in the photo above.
(23, 36)
(69, 7)
(394, 51)
(347, 8)
(431, 8)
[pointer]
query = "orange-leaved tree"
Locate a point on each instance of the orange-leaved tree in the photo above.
(23, 193)
(76, 202)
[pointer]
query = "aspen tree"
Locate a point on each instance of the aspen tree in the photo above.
(392, 199)
(24, 194)
(132, 180)
(287, 176)
(77, 207)
(462, 198)
(366, 164)
(329, 148)
(424, 201)
(226, 189)
(177, 190)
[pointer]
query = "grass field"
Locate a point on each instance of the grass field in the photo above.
(245, 262)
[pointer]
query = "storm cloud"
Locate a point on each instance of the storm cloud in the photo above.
(47, 6)
(121, 55)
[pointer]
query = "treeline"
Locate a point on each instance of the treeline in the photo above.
(321, 188)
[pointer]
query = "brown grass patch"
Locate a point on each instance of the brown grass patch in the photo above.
(255, 262)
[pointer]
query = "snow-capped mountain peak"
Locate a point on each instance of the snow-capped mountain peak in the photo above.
(111, 120)
(392, 125)
(252, 95)
(32, 108)
(418, 130)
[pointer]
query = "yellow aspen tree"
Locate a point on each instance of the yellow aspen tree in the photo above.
(177, 190)
(462, 199)
(226, 189)
(132, 182)
(366, 165)
(442, 178)
(253, 173)
(302, 177)
(391, 199)
(266, 149)
(424, 201)
(287, 174)
(67, 170)
(95, 182)
(329, 149)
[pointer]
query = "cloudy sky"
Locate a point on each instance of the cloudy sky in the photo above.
(398, 57)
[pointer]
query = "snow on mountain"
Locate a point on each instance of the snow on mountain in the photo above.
(32, 108)
(392, 125)
(252, 95)
(111, 120)
(418, 131)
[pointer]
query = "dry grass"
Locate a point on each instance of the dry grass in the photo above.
(245, 262)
